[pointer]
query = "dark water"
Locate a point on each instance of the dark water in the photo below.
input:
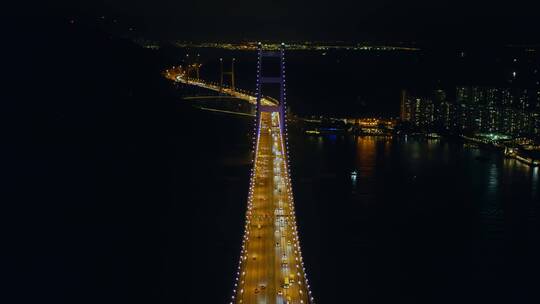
(424, 221)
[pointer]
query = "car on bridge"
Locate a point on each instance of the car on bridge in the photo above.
(286, 282)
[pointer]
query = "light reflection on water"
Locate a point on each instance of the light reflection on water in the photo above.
(535, 181)
(493, 181)
(366, 150)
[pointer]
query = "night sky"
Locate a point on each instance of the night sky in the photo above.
(382, 20)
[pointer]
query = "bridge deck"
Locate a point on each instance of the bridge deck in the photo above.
(271, 250)
(240, 94)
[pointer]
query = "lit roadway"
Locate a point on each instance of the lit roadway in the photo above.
(238, 93)
(271, 269)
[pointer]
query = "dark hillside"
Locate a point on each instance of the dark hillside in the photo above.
(86, 165)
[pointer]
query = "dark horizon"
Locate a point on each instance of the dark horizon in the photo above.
(441, 23)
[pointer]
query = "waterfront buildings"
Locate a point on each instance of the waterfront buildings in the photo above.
(509, 111)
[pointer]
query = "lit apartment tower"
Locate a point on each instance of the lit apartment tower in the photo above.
(526, 104)
(536, 99)
(535, 114)
(492, 112)
(535, 122)
(421, 113)
(493, 96)
(463, 94)
(443, 110)
(522, 100)
(506, 98)
(439, 96)
(405, 107)
(512, 122)
(464, 108)
(477, 109)
(445, 115)
(478, 95)
(429, 113)
(507, 116)
(505, 121)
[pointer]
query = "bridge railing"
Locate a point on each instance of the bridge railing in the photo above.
(243, 94)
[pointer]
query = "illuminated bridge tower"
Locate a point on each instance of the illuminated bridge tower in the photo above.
(271, 269)
(228, 73)
(192, 68)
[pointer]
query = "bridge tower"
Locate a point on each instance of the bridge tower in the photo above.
(228, 73)
(192, 68)
(280, 80)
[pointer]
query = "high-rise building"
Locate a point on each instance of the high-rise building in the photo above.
(512, 112)
(535, 122)
(463, 94)
(419, 111)
(445, 115)
(466, 108)
(405, 110)
(523, 99)
(439, 96)
(506, 98)
(536, 99)
(478, 95)
(491, 113)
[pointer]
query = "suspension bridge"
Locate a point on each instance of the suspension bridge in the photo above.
(271, 269)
